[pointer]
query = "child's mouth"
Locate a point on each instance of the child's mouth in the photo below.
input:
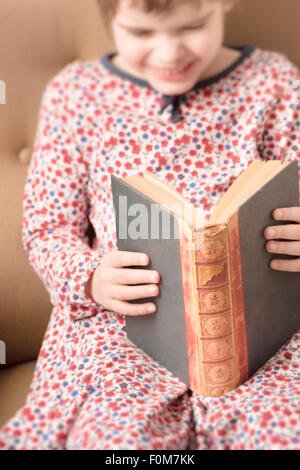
(175, 74)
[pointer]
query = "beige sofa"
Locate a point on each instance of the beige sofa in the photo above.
(37, 39)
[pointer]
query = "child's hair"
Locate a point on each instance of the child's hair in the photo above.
(109, 7)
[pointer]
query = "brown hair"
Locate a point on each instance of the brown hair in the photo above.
(109, 7)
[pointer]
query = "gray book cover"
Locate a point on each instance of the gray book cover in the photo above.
(162, 334)
(271, 298)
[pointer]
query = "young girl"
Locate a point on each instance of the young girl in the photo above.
(174, 101)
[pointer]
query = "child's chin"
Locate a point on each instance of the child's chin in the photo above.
(171, 88)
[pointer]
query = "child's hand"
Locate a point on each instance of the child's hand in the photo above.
(108, 288)
(289, 232)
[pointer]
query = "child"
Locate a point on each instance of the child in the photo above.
(172, 100)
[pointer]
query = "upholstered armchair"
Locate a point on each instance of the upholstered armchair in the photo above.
(37, 39)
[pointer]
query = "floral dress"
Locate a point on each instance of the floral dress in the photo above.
(92, 388)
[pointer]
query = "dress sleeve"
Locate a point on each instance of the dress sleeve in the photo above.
(56, 206)
(279, 135)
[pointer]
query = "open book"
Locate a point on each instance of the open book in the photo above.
(222, 312)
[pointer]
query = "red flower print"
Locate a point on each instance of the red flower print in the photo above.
(208, 149)
(186, 139)
(87, 379)
(180, 125)
(26, 411)
(177, 168)
(67, 159)
(61, 436)
(267, 415)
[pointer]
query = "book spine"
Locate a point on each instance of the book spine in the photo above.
(189, 288)
(214, 310)
(237, 298)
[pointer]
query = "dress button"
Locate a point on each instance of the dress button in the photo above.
(25, 156)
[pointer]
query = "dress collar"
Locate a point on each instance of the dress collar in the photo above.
(177, 100)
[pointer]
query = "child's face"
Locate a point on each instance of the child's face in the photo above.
(171, 51)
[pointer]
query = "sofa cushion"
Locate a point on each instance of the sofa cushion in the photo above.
(14, 386)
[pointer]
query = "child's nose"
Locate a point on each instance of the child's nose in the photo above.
(170, 50)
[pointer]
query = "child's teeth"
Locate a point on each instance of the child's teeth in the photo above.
(173, 71)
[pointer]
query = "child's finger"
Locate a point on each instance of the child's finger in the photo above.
(127, 308)
(288, 232)
(284, 248)
(287, 213)
(291, 265)
(119, 259)
(132, 276)
(133, 292)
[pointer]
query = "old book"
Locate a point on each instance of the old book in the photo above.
(222, 312)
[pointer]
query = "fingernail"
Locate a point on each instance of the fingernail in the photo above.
(278, 214)
(151, 308)
(273, 246)
(271, 232)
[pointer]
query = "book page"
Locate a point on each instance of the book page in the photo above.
(241, 181)
(161, 197)
(240, 193)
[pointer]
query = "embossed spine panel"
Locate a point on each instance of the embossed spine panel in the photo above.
(218, 362)
(187, 245)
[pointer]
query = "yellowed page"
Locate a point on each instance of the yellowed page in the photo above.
(243, 179)
(160, 196)
(165, 187)
(267, 172)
